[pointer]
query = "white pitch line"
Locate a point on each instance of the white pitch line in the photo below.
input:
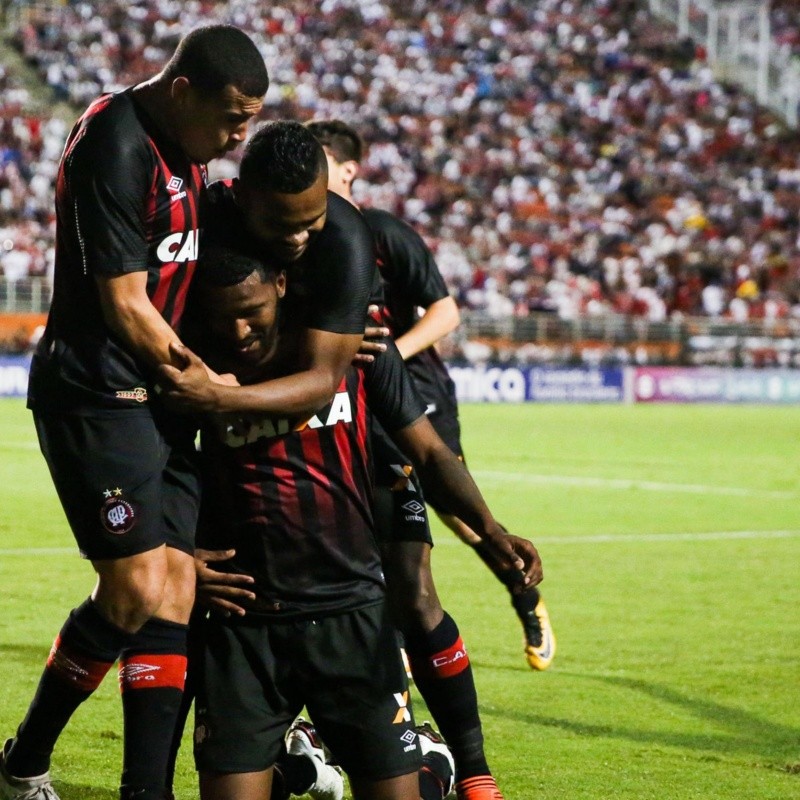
(627, 484)
(603, 538)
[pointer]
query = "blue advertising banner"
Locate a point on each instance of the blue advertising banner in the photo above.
(708, 385)
(14, 375)
(495, 384)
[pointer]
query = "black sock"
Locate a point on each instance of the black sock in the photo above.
(433, 777)
(297, 775)
(443, 675)
(152, 676)
(83, 652)
(525, 602)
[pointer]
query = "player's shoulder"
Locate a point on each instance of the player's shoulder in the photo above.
(342, 213)
(385, 221)
(344, 236)
(110, 127)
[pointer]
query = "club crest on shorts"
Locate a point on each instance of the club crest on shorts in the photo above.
(116, 514)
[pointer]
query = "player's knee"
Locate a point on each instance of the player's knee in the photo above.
(131, 590)
(180, 589)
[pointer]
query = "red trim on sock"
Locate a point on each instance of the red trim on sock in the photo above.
(152, 671)
(481, 787)
(77, 669)
(449, 662)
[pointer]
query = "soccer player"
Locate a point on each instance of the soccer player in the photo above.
(293, 501)
(412, 280)
(280, 205)
(129, 192)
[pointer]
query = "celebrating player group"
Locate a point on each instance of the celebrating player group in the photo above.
(280, 560)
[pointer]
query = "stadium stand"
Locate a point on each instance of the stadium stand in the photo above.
(568, 157)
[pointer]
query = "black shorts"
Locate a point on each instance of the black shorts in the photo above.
(438, 392)
(127, 483)
(400, 513)
(256, 676)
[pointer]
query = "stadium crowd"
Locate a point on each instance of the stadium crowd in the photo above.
(567, 156)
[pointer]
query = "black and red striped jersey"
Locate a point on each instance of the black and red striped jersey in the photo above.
(295, 500)
(411, 280)
(127, 200)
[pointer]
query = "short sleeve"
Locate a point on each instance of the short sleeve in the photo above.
(339, 270)
(391, 395)
(407, 263)
(108, 175)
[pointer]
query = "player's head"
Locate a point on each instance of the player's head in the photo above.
(239, 294)
(282, 188)
(217, 81)
(343, 149)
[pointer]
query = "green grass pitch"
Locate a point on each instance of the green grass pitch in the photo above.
(671, 544)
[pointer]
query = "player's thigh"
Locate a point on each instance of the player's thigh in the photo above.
(108, 472)
(236, 786)
(404, 787)
(356, 690)
(246, 696)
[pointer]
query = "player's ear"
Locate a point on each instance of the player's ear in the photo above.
(350, 170)
(280, 283)
(180, 90)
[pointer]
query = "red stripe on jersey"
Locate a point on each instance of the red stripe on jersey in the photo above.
(179, 302)
(152, 197)
(177, 224)
(362, 423)
(152, 671)
(285, 479)
(79, 670)
(315, 464)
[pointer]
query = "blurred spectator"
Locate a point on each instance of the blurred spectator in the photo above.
(567, 156)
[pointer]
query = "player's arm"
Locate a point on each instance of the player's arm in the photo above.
(341, 268)
(391, 396)
(445, 479)
(108, 178)
(328, 355)
(439, 319)
(412, 272)
(129, 313)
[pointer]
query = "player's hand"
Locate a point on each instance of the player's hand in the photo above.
(372, 344)
(186, 385)
(531, 574)
(220, 591)
(498, 547)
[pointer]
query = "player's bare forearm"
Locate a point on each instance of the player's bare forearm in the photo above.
(302, 393)
(128, 311)
(439, 319)
(445, 479)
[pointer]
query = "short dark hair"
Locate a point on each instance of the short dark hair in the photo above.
(217, 56)
(221, 265)
(282, 156)
(342, 140)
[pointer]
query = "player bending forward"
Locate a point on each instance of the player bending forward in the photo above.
(293, 499)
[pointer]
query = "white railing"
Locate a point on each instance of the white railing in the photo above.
(737, 37)
(27, 295)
